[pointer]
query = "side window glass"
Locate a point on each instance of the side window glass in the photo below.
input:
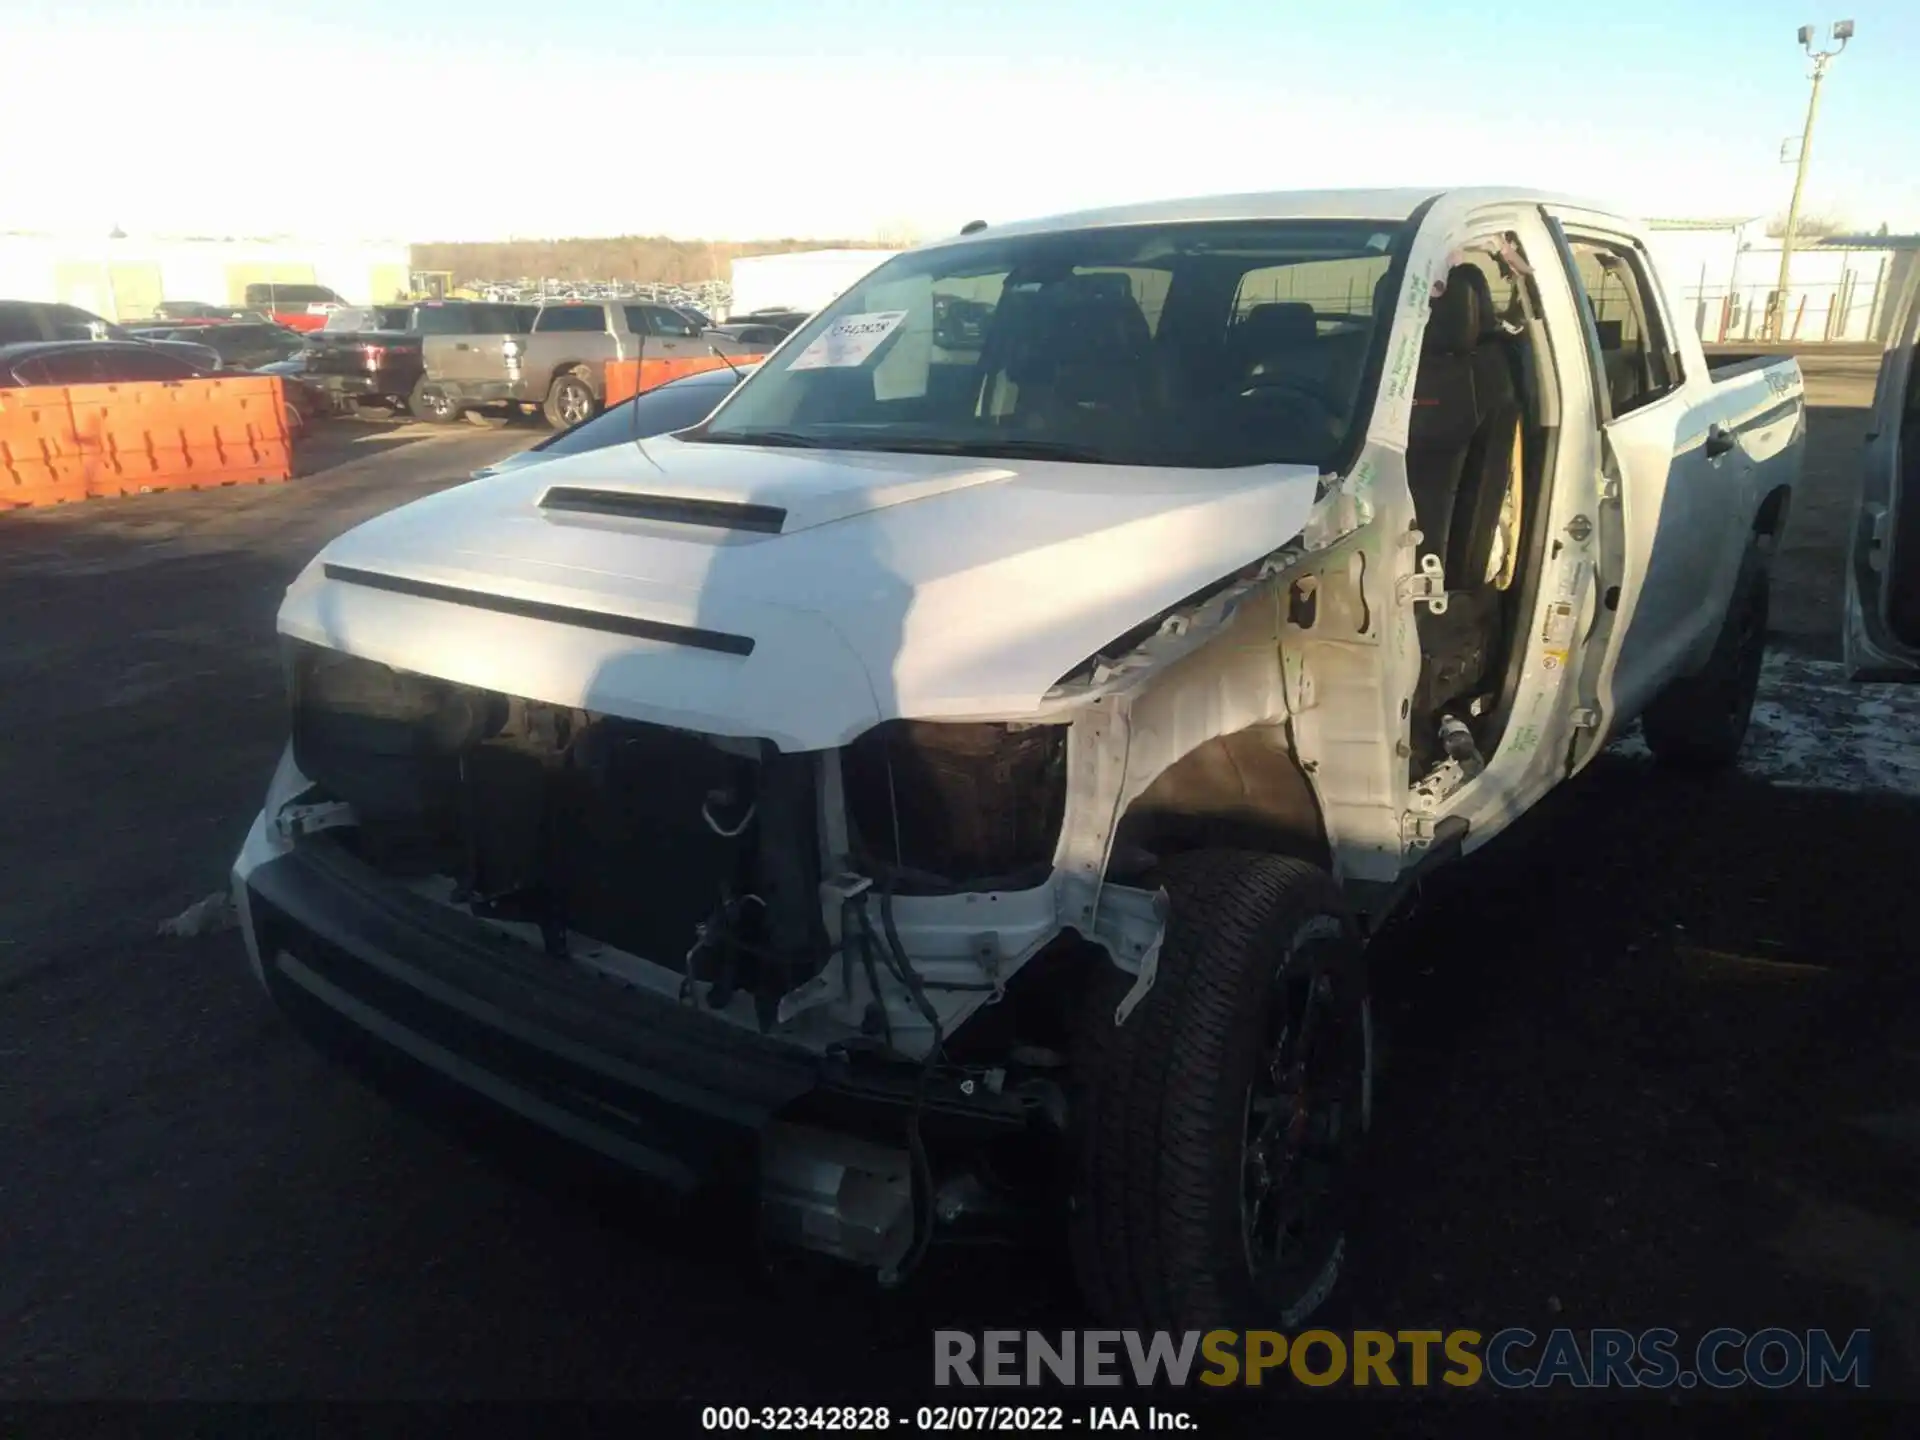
(69, 367)
(572, 319)
(1634, 349)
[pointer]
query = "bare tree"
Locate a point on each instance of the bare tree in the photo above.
(640, 258)
(1810, 226)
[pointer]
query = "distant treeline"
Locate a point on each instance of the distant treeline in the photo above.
(625, 257)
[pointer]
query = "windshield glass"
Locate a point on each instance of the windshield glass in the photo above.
(1196, 344)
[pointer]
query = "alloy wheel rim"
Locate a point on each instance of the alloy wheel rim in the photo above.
(1299, 1111)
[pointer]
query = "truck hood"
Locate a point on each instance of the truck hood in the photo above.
(798, 595)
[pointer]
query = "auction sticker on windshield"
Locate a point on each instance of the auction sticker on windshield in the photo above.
(849, 341)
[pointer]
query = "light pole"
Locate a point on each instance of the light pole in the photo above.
(1841, 31)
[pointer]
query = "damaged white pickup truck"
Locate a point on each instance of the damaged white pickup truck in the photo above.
(957, 781)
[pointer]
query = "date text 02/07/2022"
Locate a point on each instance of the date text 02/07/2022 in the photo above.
(941, 1419)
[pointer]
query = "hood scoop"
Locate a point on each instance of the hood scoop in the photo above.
(666, 509)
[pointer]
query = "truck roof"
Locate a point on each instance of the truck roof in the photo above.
(1385, 205)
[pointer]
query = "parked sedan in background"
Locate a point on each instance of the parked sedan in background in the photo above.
(785, 321)
(754, 337)
(247, 344)
(89, 362)
(124, 362)
(29, 320)
(659, 411)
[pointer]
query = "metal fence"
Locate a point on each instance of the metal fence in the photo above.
(1847, 309)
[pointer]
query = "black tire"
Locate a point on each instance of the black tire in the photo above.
(1166, 1134)
(570, 400)
(1699, 722)
(432, 404)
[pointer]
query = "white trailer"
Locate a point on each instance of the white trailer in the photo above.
(801, 280)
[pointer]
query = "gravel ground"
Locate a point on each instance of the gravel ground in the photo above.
(1653, 1061)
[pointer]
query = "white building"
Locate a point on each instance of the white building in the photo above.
(1720, 274)
(123, 279)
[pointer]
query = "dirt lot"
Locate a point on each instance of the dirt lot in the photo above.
(1653, 1063)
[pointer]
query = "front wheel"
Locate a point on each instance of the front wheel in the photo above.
(1219, 1124)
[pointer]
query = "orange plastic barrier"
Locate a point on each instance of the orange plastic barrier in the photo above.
(77, 442)
(183, 436)
(40, 460)
(627, 378)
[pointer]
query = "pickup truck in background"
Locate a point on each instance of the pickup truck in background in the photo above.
(298, 307)
(959, 779)
(375, 355)
(1882, 640)
(558, 361)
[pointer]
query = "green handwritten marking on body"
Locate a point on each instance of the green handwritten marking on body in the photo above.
(1525, 738)
(1400, 379)
(1363, 475)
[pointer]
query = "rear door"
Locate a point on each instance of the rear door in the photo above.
(566, 335)
(464, 342)
(1669, 494)
(1883, 569)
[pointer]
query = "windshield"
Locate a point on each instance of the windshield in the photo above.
(1197, 344)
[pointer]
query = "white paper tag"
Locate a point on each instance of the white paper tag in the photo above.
(849, 341)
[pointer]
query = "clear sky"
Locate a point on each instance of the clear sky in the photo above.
(485, 119)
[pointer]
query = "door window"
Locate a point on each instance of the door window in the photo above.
(658, 320)
(1614, 285)
(68, 367)
(571, 319)
(131, 364)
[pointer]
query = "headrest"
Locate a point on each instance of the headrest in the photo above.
(1076, 325)
(1273, 327)
(1461, 314)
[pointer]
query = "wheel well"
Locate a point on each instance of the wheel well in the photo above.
(570, 367)
(1243, 791)
(1771, 518)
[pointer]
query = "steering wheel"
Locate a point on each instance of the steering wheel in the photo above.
(1294, 393)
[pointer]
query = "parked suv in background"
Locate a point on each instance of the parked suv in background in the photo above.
(559, 361)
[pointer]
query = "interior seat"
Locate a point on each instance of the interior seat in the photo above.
(1460, 445)
(1460, 435)
(1083, 347)
(1278, 339)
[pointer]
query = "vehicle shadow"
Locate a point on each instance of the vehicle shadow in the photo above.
(331, 443)
(1649, 1062)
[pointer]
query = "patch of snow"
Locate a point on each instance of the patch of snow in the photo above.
(1815, 729)
(204, 917)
